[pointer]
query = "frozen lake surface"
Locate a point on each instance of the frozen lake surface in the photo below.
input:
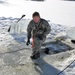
(15, 55)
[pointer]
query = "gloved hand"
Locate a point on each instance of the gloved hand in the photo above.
(28, 42)
(40, 36)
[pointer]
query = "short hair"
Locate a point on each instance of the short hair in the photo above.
(35, 14)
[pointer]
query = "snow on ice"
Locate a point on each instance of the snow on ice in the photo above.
(15, 55)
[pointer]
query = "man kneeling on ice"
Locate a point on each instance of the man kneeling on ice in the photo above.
(38, 28)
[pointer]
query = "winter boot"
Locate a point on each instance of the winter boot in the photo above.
(73, 41)
(46, 50)
(35, 56)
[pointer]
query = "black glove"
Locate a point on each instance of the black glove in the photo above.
(40, 36)
(28, 42)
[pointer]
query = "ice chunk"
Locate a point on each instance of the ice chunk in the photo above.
(19, 27)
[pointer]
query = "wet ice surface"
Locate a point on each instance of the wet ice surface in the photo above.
(15, 55)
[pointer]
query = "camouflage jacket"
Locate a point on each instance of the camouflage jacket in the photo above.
(40, 29)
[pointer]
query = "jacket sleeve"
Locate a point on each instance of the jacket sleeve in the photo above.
(29, 29)
(47, 28)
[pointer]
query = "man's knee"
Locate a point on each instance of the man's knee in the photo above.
(38, 42)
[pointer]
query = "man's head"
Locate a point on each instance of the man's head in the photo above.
(36, 17)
